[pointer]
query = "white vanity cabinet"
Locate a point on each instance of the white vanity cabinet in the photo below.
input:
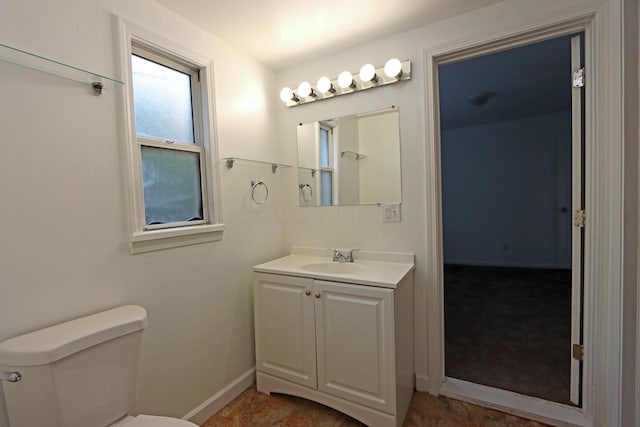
(285, 328)
(348, 346)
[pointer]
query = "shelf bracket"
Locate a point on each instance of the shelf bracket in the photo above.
(230, 163)
(97, 88)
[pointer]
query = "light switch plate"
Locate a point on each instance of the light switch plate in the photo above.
(391, 212)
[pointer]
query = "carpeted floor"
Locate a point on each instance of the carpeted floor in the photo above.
(509, 328)
(255, 409)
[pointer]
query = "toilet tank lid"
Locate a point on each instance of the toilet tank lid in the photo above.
(56, 342)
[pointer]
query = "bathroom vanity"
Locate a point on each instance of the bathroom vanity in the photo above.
(338, 333)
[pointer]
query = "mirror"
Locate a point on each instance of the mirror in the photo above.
(351, 160)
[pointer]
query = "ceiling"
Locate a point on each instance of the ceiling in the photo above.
(280, 33)
(526, 81)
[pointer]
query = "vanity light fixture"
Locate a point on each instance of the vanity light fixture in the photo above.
(287, 95)
(393, 68)
(305, 89)
(368, 73)
(325, 86)
(345, 80)
(369, 77)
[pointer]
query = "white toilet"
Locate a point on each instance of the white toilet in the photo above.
(81, 373)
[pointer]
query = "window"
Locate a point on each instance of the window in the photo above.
(171, 155)
(325, 160)
(173, 185)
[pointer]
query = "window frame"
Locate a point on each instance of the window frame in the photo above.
(134, 39)
(330, 168)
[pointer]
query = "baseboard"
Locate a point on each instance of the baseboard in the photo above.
(209, 407)
(422, 383)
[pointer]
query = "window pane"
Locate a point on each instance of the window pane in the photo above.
(324, 148)
(326, 188)
(162, 101)
(171, 180)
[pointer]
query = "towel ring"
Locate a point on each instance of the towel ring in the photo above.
(303, 187)
(255, 183)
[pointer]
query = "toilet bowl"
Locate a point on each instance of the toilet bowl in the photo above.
(81, 373)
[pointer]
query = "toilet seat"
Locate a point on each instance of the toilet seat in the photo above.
(151, 421)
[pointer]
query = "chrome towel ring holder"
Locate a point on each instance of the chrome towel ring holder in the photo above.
(303, 188)
(255, 183)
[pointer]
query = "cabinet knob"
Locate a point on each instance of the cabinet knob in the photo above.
(317, 294)
(307, 292)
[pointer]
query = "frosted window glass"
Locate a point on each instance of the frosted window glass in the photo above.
(326, 188)
(171, 181)
(324, 148)
(162, 101)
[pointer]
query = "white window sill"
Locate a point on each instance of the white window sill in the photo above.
(155, 240)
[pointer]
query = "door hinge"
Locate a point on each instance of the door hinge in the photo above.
(577, 351)
(578, 77)
(579, 218)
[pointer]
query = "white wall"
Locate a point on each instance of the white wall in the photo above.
(308, 145)
(307, 137)
(630, 353)
(63, 251)
(380, 179)
(501, 185)
(345, 136)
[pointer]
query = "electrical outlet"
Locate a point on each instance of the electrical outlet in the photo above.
(391, 212)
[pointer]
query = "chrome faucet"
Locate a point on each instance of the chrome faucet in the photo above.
(347, 256)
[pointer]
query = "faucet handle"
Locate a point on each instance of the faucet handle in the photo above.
(336, 254)
(349, 256)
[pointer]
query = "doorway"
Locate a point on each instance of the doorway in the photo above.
(511, 139)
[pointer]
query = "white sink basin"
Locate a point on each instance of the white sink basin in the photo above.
(333, 268)
(382, 269)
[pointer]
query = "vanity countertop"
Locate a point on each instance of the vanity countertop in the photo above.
(382, 269)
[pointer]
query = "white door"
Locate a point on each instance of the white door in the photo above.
(355, 340)
(285, 333)
(577, 202)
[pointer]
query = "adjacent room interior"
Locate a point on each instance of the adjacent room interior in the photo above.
(506, 155)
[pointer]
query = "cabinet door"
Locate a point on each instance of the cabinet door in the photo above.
(355, 340)
(284, 327)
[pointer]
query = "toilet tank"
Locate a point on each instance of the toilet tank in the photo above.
(80, 373)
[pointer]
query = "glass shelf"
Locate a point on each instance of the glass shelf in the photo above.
(274, 166)
(40, 63)
(355, 154)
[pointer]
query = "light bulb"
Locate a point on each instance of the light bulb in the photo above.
(324, 85)
(368, 73)
(305, 89)
(345, 80)
(286, 95)
(393, 68)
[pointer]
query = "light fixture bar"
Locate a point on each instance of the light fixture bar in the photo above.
(358, 84)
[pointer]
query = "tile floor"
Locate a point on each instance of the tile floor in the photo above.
(255, 409)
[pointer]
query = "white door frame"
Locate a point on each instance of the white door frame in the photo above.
(603, 234)
(576, 232)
